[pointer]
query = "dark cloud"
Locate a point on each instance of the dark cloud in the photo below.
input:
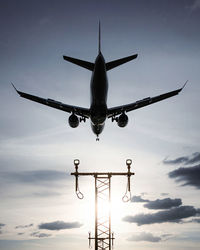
(138, 198)
(189, 176)
(194, 159)
(145, 237)
(2, 225)
(20, 233)
(40, 235)
(163, 204)
(172, 215)
(24, 226)
(44, 177)
(59, 225)
(196, 220)
(159, 203)
(175, 161)
(186, 160)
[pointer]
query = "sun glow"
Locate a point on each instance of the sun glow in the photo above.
(116, 208)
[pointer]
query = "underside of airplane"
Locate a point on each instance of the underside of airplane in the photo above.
(98, 111)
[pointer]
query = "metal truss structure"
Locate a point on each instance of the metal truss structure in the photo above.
(103, 238)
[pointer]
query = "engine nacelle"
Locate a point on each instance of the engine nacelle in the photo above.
(73, 121)
(122, 120)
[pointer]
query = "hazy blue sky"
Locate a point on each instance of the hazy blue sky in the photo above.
(39, 209)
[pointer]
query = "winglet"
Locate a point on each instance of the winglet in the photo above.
(15, 88)
(184, 85)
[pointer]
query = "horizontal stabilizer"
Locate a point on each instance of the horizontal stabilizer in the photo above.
(113, 64)
(84, 64)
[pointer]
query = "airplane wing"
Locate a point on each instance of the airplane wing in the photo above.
(112, 112)
(83, 112)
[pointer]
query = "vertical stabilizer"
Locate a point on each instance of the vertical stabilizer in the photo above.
(99, 37)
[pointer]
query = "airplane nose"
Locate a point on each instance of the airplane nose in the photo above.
(98, 116)
(98, 119)
(97, 129)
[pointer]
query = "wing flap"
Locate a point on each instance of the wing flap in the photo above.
(84, 112)
(141, 103)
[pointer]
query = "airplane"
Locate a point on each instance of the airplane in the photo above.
(98, 111)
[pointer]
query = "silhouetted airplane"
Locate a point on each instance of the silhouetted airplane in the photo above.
(98, 111)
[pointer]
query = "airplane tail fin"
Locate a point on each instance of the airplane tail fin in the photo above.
(113, 64)
(99, 37)
(81, 63)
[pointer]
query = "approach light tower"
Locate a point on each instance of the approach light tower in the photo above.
(103, 238)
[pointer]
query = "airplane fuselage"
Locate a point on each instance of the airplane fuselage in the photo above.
(98, 111)
(98, 98)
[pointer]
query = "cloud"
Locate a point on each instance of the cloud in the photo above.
(195, 5)
(196, 220)
(189, 176)
(144, 237)
(144, 193)
(163, 204)
(20, 233)
(194, 159)
(45, 194)
(40, 235)
(175, 161)
(2, 225)
(59, 225)
(159, 203)
(138, 198)
(42, 177)
(164, 194)
(166, 235)
(186, 160)
(24, 226)
(172, 215)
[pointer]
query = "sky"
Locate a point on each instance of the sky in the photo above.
(39, 208)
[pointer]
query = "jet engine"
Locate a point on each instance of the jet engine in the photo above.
(122, 120)
(73, 121)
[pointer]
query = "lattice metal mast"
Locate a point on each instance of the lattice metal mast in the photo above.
(103, 236)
